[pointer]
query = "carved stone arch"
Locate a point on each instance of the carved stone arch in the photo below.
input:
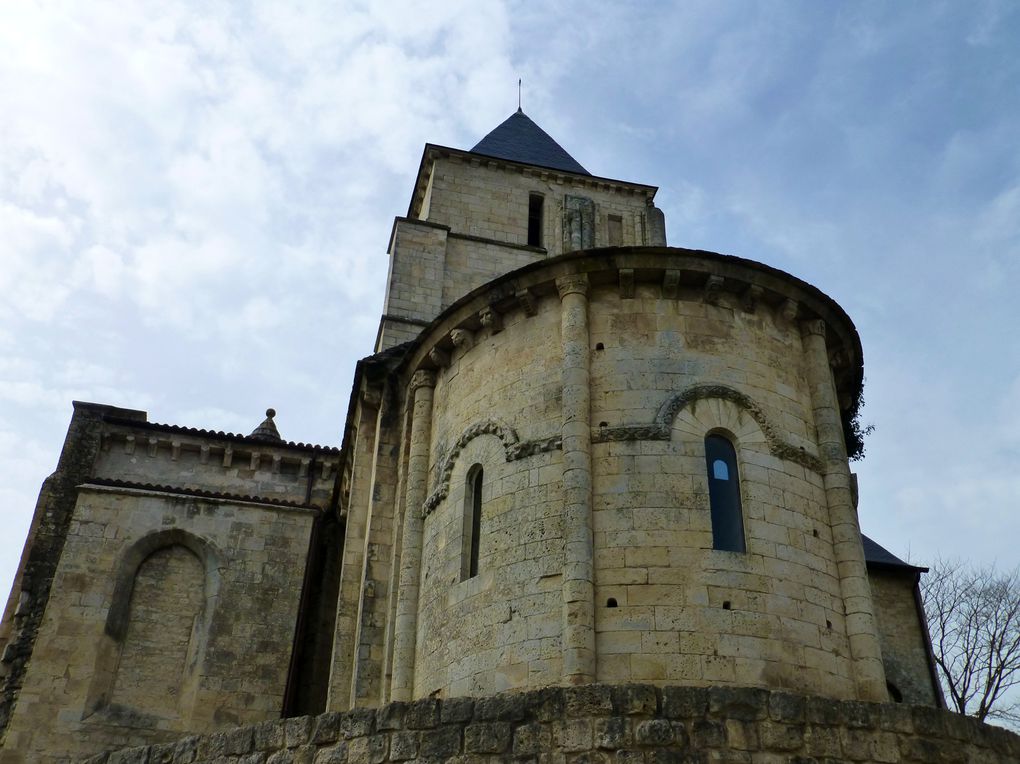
(102, 689)
(756, 428)
(507, 437)
(730, 411)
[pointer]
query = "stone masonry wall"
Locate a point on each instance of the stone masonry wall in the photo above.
(500, 629)
(474, 228)
(99, 674)
(600, 723)
(904, 651)
(669, 607)
(488, 200)
(32, 584)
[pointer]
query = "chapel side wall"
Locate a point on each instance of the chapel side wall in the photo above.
(236, 467)
(653, 540)
(255, 573)
(904, 649)
(499, 629)
(43, 547)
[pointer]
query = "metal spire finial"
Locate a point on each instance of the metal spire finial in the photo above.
(519, 94)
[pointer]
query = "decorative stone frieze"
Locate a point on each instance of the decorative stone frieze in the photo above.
(527, 300)
(670, 283)
(439, 357)
(750, 298)
(788, 310)
(713, 289)
(491, 319)
(661, 429)
(513, 449)
(462, 338)
(371, 396)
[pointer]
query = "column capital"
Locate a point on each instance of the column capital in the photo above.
(574, 284)
(814, 326)
(421, 378)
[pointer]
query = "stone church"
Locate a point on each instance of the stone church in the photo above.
(593, 502)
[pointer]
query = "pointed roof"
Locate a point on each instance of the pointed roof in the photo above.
(267, 430)
(519, 139)
(877, 555)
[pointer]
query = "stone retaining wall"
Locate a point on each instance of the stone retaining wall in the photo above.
(600, 723)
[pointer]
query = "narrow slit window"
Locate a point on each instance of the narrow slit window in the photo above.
(724, 495)
(535, 204)
(472, 523)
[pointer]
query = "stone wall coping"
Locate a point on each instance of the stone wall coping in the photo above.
(210, 435)
(99, 485)
(601, 723)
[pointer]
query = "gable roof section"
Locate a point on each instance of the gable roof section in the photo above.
(519, 139)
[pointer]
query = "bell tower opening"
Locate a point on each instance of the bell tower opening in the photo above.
(536, 202)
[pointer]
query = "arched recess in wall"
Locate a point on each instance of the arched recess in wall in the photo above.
(457, 532)
(726, 429)
(148, 664)
(509, 445)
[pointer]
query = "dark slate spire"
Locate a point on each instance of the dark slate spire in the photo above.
(521, 140)
(267, 430)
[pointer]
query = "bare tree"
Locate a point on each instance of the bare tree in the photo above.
(974, 619)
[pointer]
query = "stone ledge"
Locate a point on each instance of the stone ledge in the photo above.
(602, 723)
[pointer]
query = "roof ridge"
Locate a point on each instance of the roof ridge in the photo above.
(236, 437)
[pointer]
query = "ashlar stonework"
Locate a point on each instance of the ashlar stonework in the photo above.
(521, 550)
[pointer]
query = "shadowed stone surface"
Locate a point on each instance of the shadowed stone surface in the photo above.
(731, 724)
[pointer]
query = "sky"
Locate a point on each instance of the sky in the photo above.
(195, 202)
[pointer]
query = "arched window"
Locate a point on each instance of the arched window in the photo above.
(724, 495)
(472, 523)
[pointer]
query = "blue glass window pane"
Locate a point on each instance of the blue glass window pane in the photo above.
(719, 470)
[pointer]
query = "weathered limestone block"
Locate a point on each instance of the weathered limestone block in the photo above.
(720, 724)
